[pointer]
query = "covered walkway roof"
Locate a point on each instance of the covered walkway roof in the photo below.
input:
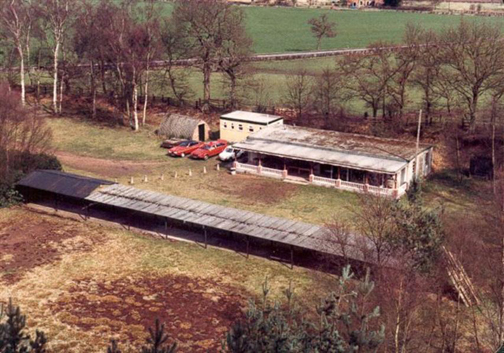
(333, 148)
(210, 216)
(62, 183)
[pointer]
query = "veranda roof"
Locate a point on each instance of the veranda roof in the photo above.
(333, 148)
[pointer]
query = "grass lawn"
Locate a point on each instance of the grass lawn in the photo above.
(84, 283)
(118, 153)
(285, 29)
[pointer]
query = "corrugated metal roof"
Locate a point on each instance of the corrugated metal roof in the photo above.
(178, 125)
(332, 147)
(202, 214)
(62, 183)
(251, 117)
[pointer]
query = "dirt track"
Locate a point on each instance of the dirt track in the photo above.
(109, 168)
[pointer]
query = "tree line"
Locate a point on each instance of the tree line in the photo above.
(459, 69)
(118, 41)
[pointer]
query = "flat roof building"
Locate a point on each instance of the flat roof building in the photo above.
(348, 161)
(237, 125)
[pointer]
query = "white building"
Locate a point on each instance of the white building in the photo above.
(346, 161)
(238, 125)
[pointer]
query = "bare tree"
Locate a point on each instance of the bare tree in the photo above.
(373, 218)
(212, 29)
(321, 27)
(473, 54)
(57, 16)
(21, 129)
(236, 49)
(151, 24)
(427, 72)
(369, 77)
(88, 44)
(175, 49)
(298, 95)
(327, 94)
(128, 45)
(15, 26)
(403, 66)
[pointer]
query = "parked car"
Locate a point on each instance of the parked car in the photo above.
(171, 143)
(230, 153)
(185, 148)
(210, 149)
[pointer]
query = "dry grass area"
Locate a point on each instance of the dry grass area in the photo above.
(84, 283)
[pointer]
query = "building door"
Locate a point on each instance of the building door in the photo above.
(201, 132)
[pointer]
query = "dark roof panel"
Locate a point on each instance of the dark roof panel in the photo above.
(62, 183)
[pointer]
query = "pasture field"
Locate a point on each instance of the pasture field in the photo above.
(84, 283)
(285, 29)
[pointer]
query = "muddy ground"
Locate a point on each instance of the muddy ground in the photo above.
(84, 283)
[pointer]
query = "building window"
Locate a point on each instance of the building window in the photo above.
(240, 127)
(224, 125)
(403, 176)
(251, 128)
(232, 126)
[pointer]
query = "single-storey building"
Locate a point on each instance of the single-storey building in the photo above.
(237, 125)
(184, 127)
(346, 161)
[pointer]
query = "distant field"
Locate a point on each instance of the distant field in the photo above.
(283, 29)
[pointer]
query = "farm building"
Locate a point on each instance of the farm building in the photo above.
(182, 126)
(154, 211)
(346, 161)
(236, 126)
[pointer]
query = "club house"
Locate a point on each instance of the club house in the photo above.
(345, 161)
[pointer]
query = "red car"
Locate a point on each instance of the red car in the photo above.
(184, 148)
(210, 149)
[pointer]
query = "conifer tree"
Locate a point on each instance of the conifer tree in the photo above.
(344, 323)
(13, 338)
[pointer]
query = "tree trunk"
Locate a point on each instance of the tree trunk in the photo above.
(146, 96)
(232, 93)
(207, 72)
(93, 91)
(22, 74)
(134, 97)
(472, 111)
(104, 84)
(61, 89)
(55, 77)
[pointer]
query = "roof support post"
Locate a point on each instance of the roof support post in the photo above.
(285, 173)
(248, 246)
(206, 238)
(292, 257)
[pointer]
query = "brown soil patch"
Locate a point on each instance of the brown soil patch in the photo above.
(258, 190)
(26, 245)
(109, 168)
(196, 312)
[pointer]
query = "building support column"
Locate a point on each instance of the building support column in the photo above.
(395, 191)
(292, 257)
(248, 246)
(366, 182)
(285, 173)
(206, 237)
(311, 177)
(259, 166)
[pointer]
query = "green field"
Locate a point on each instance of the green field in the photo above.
(285, 29)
